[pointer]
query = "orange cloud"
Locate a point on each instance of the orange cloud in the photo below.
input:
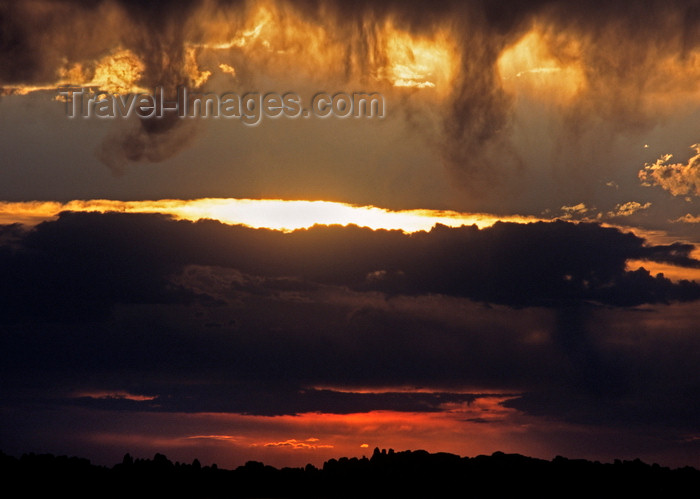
(293, 443)
(677, 178)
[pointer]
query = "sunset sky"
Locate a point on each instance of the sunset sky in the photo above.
(507, 260)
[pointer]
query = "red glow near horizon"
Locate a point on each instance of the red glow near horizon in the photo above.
(481, 426)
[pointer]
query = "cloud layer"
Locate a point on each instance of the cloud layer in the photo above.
(219, 318)
(629, 61)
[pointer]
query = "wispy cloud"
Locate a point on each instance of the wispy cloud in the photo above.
(308, 444)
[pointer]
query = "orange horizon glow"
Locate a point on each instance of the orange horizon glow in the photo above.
(482, 426)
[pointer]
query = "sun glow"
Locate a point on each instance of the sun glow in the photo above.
(530, 67)
(259, 213)
(419, 62)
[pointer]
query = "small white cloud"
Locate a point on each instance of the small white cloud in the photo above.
(677, 178)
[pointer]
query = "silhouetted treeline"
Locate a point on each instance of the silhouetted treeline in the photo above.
(386, 474)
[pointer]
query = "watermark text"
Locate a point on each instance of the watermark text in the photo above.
(250, 107)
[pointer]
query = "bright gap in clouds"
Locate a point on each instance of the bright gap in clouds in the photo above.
(529, 66)
(290, 215)
(273, 214)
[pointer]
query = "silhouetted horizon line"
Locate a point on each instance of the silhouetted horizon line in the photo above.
(158, 456)
(385, 474)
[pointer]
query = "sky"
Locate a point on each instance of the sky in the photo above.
(503, 254)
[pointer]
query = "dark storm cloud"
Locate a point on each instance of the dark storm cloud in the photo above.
(82, 265)
(266, 359)
(85, 262)
(622, 45)
(38, 39)
(203, 317)
(64, 273)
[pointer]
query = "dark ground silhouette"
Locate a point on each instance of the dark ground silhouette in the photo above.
(386, 474)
